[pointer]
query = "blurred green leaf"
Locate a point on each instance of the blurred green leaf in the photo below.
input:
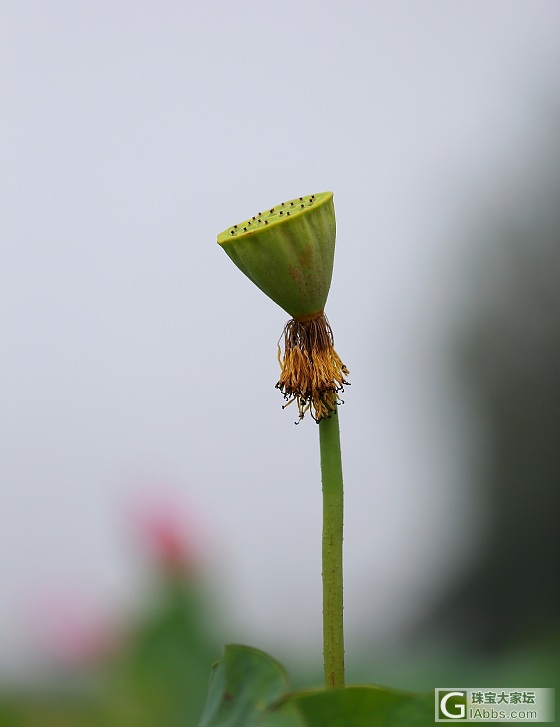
(160, 676)
(244, 685)
(364, 706)
(248, 689)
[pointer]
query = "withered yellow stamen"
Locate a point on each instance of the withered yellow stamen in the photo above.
(313, 374)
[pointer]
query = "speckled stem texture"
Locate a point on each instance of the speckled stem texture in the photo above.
(333, 498)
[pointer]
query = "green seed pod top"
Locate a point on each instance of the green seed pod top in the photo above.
(288, 252)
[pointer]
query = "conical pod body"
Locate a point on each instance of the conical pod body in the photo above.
(288, 252)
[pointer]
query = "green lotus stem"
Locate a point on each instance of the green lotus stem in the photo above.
(333, 504)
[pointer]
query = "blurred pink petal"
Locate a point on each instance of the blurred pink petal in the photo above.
(72, 630)
(167, 530)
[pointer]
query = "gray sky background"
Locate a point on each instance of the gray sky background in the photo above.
(135, 357)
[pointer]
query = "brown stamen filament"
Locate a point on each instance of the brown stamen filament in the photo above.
(312, 371)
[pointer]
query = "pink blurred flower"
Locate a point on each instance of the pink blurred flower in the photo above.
(72, 630)
(167, 531)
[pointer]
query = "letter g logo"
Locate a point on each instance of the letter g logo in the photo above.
(455, 710)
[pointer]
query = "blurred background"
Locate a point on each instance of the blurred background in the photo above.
(156, 502)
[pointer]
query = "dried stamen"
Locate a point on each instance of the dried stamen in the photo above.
(312, 372)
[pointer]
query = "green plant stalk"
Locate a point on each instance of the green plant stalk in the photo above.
(333, 504)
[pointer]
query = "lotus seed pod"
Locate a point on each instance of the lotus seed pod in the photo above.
(288, 252)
